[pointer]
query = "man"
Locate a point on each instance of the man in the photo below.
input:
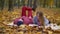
(27, 19)
(24, 8)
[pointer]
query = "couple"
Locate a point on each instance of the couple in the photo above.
(39, 19)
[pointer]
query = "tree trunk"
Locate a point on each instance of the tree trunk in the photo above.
(56, 3)
(40, 1)
(14, 2)
(59, 4)
(1, 4)
(10, 5)
(35, 4)
(23, 2)
(44, 2)
(18, 3)
(30, 3)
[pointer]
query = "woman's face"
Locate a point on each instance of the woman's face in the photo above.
(38, 16)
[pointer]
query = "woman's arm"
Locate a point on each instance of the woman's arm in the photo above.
(46, 21)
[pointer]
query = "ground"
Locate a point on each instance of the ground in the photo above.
(53, 14)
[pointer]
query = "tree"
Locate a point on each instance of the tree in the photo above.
(14, 2)
(44, 2)
(39, 2)
(29, 3)
(18, 3)
(56, 3)
(23, 2)
(10, 5)
(35, 4)
(2, 4)
(59, 4)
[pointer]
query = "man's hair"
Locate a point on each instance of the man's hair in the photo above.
(33, 9)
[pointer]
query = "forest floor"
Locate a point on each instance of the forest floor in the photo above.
(53, 14)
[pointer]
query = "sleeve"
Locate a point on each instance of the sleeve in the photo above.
(46, 21)
(34, 20)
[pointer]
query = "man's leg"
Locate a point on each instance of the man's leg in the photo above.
(23, 11)
(30, 13)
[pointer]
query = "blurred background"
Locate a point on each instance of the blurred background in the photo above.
(11, 9)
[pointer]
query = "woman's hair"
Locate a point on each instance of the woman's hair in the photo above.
(40, 14)
(41, 17)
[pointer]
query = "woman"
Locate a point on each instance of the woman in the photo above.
(40, 20)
